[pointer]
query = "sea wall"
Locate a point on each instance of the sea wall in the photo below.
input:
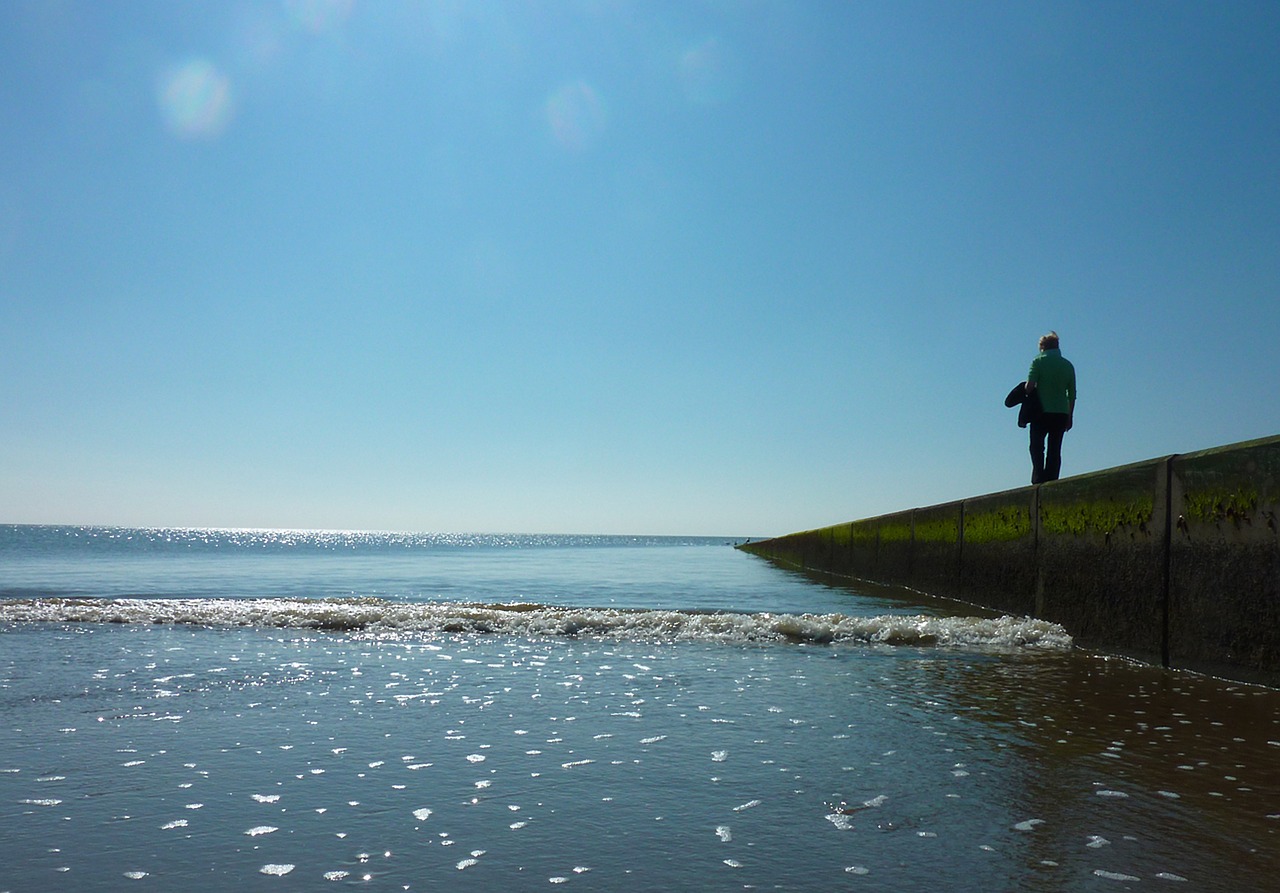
(1173, 561)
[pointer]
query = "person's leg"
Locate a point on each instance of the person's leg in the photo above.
(1055, 425)
(1038, 432)
(1053, 461)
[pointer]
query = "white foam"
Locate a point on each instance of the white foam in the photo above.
(350, 614)
(1115, 875)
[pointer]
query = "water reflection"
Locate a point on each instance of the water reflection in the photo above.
(1121, 771)
(1126, 768)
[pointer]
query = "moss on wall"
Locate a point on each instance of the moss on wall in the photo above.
(862, 533)
(895, 532)
(1000, 526)
(1210, 505)
(937, 530)
(1102, 516)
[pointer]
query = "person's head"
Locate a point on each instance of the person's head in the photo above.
(1049, 341)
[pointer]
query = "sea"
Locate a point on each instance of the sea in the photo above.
(278, 710)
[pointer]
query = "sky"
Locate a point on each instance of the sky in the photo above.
(716, 267)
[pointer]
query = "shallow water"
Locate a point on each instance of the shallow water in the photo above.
(136, 754)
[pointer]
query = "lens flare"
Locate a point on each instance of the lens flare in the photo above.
(195, 99)
(576, 115)
(319, 16)
(709, 72)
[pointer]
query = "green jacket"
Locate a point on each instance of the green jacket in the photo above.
(1055, 381)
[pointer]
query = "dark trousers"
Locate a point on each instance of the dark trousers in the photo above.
(1048, 426)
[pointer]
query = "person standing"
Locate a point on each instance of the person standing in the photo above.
(1052, 379)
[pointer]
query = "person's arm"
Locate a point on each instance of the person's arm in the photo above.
(1071, 407)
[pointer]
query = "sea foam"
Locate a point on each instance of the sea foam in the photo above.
(537, 620)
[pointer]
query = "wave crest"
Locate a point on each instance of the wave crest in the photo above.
(535, 620)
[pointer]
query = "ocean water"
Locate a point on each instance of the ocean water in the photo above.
(275, 710)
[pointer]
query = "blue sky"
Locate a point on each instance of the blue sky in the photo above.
(734, 268)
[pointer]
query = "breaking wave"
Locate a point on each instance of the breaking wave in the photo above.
(535, 620)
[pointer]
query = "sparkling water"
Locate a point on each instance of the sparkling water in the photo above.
(230, 710)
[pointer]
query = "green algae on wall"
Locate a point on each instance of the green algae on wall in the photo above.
(1211, 505)
(1103, 516)
(862, 534)
(938, 530)
(1000, 526)
(895, 532)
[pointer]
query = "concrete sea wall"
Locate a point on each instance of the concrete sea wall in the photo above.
(1173, 561)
